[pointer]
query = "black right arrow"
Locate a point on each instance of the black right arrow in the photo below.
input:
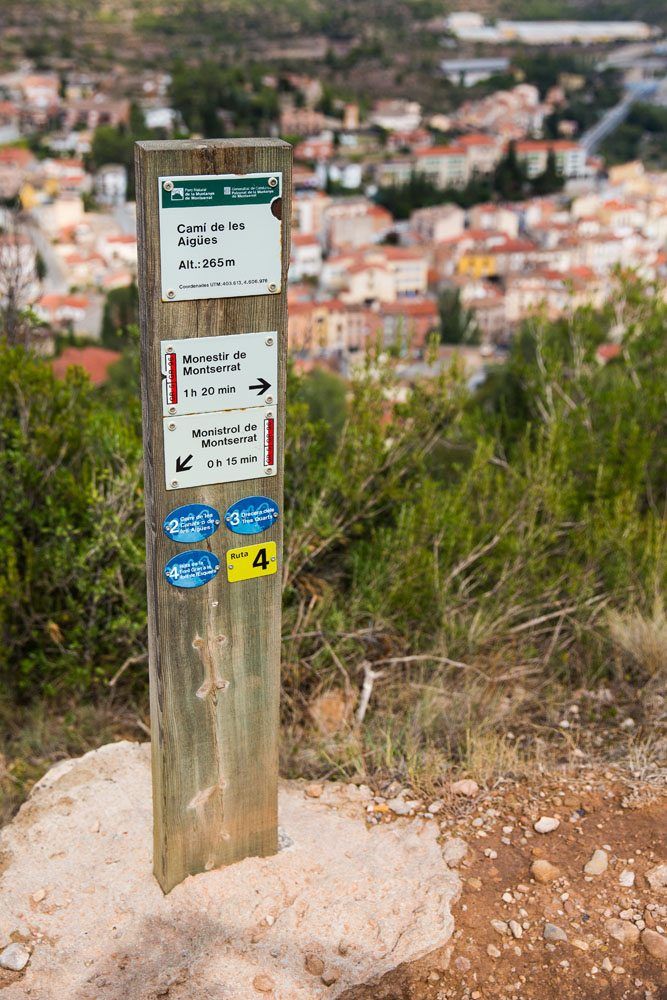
(183, 464)
(262, 385)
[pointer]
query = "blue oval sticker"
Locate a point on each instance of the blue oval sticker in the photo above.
(191, 523)
(192, 569)
(251, 515)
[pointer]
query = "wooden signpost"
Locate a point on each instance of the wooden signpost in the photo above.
(213, 232)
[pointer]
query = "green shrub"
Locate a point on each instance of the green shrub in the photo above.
(71, 531)
(500, 527)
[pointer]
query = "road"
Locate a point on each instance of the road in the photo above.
(610, 121)
(56, 280)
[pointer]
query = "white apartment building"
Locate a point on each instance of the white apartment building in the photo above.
(396, 115)
(305, 257)
(437, 224)
(570, 157)
(444, 166)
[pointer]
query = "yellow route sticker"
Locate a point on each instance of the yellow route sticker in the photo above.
(251, 561)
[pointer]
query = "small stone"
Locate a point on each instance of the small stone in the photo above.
(490, 854)
(622, 930)
(330, 977)
(475, 883)
(343, 947)
(401, 807)
(500, 926)
(543, 871)
(492, 951)
(314, 964)
(462, 964)
(657, 877)
(454, 851)
(434, 977)
(606, 965)
(516, 928)
(597, 864)
(507, 897)
(466, 787)
(553, 933)
(38, 896)
(655, 944)
(436, 807)
(263, 983)
(581, 945)
(626, 878)
(546, 824)
(14, 957)
(314, 791)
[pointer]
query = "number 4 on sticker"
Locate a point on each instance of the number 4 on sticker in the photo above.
(251, 561)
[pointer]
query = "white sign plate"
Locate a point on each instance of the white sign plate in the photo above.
(223, 447)
(203, 374)
(220, 235)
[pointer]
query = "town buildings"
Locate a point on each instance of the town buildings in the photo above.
(357, 274)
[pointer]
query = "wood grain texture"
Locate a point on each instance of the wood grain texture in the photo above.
(214, 651)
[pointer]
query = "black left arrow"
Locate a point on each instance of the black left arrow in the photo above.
(262, 385)
(183, 464)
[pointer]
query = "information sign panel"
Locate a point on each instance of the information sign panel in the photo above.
(220, 235)
(203, 374)
(222, 447)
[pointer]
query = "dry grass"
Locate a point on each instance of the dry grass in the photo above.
(643, 639)
(33, 739)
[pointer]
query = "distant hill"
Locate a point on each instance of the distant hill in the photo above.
(145, 31)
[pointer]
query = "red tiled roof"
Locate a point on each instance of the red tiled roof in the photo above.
(441, 151)
(515, 246)
(304, 240)
(96, 361)
(607, 352)
(411, 307)
(544, 145)
(16, 156)
(55, 301)
(477, 139)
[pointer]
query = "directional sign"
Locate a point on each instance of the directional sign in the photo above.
(222, 447)
(220, 235)
(203, 374)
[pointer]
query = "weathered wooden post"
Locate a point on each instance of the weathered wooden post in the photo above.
(213, 231)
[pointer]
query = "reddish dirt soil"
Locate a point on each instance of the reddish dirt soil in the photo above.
(629, 818)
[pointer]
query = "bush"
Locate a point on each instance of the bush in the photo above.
(71, 532)
(431, 535)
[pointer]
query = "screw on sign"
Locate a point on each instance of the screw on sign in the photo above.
(213, 225)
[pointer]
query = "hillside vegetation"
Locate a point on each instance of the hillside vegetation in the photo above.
(361, 48)
(459, 553)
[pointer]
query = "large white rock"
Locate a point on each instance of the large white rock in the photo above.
(77, 887)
